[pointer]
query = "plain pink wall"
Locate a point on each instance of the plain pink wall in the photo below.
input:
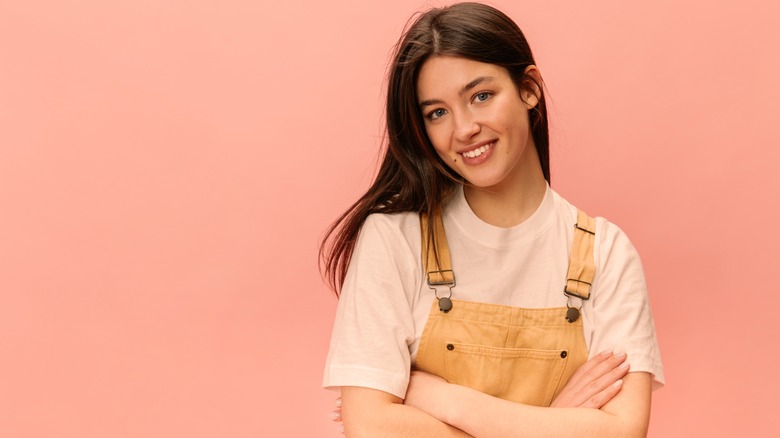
(167, 168)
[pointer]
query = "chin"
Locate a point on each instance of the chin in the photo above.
(484, 181)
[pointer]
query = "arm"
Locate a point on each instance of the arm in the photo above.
(594, 384)
(369, 358)
(377, 414)
(484, 416)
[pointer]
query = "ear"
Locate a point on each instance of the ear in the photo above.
(531, 92)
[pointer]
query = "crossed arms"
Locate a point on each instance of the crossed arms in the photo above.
(600, 400)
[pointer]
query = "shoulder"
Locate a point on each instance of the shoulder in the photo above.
(395, 223)
(387, 240)
(611, 240)
(384, 268)
(399, 230)
(615, 251)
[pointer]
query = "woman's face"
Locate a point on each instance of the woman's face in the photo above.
(476, 118)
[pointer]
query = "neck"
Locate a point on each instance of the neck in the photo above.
(515, 199)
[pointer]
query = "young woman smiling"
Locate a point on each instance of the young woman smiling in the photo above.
(474, 300)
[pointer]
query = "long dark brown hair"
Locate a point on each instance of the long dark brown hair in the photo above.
(411, 176)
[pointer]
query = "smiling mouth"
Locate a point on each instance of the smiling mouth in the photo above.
(478, 151)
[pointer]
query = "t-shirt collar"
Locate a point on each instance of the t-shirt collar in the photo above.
(461, 215)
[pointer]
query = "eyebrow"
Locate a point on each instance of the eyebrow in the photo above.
(465, 88)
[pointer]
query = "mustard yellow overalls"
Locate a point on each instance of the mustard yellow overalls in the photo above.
(522, 355)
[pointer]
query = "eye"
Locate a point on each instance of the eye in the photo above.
(435, 114)
(482, 96)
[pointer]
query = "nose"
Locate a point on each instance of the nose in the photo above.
(466, 127)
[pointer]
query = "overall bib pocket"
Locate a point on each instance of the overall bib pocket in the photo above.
(522, 375)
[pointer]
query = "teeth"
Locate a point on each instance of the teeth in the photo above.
(477, 152)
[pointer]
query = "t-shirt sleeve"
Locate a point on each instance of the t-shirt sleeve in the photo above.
(622, 318)
(374, 326)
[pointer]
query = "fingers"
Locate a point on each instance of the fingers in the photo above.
(601, 365)
(606, 371)
(613, 374)
(591, 384)
(336, 414)
(590, 370)
(593, 362)
(606, 386)
(600, 399)
(612, 383)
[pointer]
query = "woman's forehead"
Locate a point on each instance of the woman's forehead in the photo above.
(452, 76)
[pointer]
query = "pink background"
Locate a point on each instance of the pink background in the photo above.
(167, 168)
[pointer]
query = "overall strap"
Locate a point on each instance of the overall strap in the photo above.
(582, 268)
(437, 264)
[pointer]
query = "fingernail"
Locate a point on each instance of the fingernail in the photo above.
(334, 416)
(624, 365)
(619, 353)
(606, 353)
(341, 428)
(338, 402)
(618, 383)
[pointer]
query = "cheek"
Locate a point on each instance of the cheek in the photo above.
(517, 128)
(448, 158)
(440, 143)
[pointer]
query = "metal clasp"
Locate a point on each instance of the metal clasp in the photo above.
(568, 293)
(443, 282)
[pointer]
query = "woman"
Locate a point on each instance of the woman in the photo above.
(474, 299)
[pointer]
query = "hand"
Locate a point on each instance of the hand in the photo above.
(592, 385)
(336, 415)
(595, 382)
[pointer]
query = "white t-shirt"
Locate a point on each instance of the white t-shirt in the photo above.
(385, 301)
